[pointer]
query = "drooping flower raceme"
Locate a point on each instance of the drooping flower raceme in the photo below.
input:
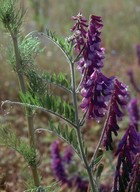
(57, 164)
(96, 87)
(92, 55)
(134, 183)
(100, 93)
(117, 102)
(128, 148)
(60, 164)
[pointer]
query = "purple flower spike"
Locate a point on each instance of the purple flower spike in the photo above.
(60, 168)
(57, 165)
(118, 101)
(79, 31)
(138, 53)
(134, 113)
(93, 54)
(96, 92)
(127, 149)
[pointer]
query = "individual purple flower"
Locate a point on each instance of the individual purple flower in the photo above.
(68, 154)
(134, 112)
(79, 31)
(128, 147)
(57, 163)
(118, 101)
(134, 183)
(138, 53)
(96, 92)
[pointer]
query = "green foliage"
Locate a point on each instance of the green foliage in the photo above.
(60, 80)
(65, 133)
(10, 15)
(11, 140)
(29, 48)
(36, 83)
(63, 43)
(50, 103)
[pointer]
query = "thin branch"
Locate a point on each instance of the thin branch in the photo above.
(77, 57)
(83, 118)
(58, 85)
(100, 142)
(61, 137)
(79, 86)
(40, 35)
(38, 108)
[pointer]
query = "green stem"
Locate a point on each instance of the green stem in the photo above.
(79, 135)
(100, 141)
(28, 110)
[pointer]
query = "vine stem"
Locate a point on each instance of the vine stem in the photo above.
(100, 141)
(78, 132)
(28, 110)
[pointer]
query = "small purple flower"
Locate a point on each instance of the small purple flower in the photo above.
(138, 53)
(79, 31)
(96, 92)
(128, 147)
(118, 101)
(134, 112)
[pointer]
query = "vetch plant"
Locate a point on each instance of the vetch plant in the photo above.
(103, 98)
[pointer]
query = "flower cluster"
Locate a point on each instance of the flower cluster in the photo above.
(60, 171)
(92, 55)
(96, 87)
(128, 148)
(118, 101)
(100, 93)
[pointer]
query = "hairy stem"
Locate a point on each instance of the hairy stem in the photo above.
(79, 135)
(28, 110)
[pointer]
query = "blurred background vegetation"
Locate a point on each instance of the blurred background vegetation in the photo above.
(120, 35)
